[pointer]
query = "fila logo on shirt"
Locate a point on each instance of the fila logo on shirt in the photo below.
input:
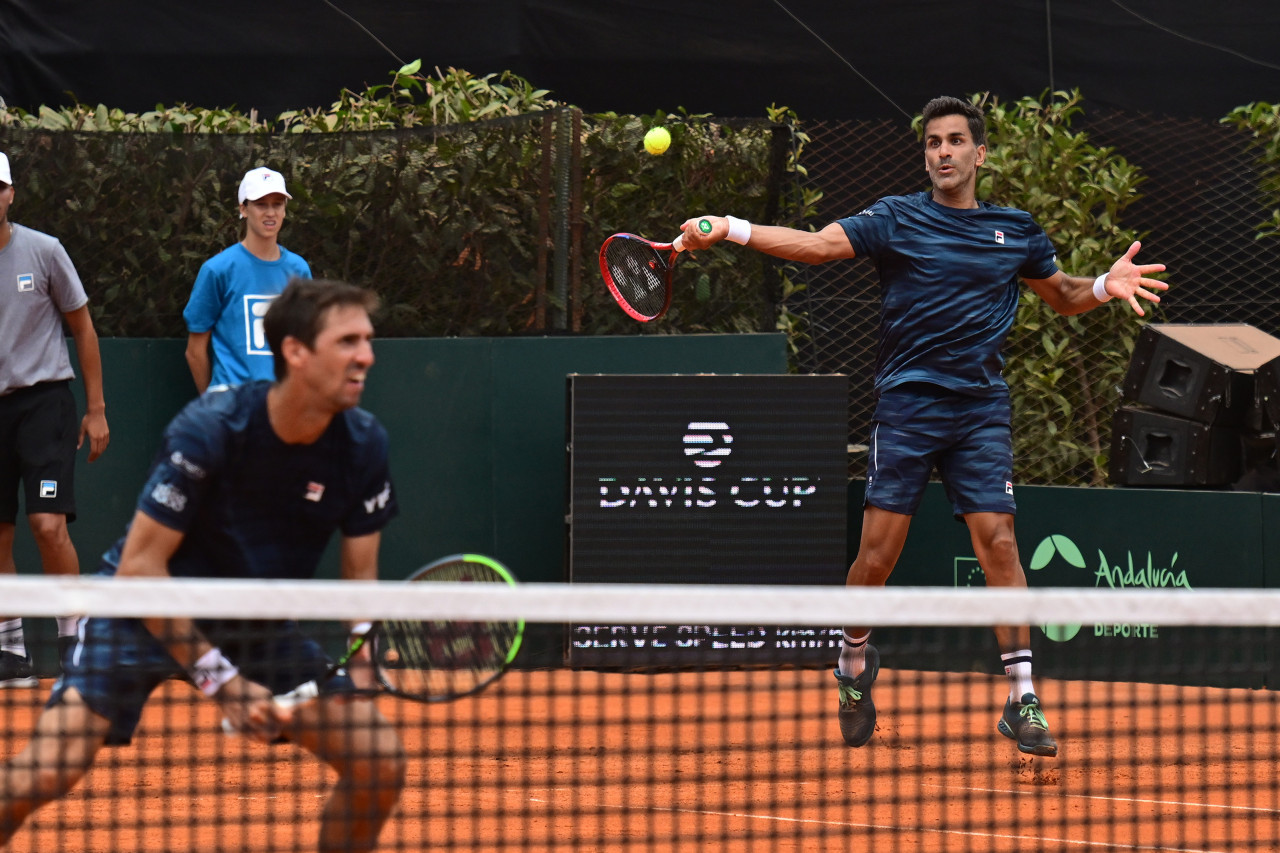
(1000, 237)
(315, 491)
(170, 496)
(26, 282)
(378, 501)
(255, 329)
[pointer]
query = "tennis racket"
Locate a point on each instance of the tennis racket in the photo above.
(638, 272)
(429, 660)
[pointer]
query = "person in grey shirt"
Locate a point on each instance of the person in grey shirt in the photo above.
(39, 430)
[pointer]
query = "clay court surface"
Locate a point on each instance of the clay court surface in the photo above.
(733, 761)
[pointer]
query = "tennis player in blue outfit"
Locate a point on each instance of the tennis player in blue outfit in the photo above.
(949, 270)
(250, 482)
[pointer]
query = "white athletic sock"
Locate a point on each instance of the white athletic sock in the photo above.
(11, 639)
(853, 654)
(68, 626)
(1017, 665)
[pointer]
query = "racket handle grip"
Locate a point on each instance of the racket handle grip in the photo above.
(299, 695)
(678, 243)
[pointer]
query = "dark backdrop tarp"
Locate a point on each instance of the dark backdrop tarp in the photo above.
(1187, 58)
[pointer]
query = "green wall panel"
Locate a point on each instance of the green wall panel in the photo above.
(1111, 539)
(477, 430)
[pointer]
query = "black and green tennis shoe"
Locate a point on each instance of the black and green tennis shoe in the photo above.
(1024, 722)
(857, 711)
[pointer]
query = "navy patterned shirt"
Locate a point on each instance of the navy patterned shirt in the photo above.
(250, 505)
(948, 287)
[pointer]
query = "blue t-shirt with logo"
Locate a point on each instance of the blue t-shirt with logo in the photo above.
(948, 287)
(250, 505)
(231, 295)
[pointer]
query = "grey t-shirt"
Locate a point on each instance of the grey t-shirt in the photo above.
(38, 284)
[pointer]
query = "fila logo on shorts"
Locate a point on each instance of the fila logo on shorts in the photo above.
(48, 488)
(1008, 487)
(26, 282)
(1000, 237)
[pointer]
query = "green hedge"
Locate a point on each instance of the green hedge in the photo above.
(464, 229)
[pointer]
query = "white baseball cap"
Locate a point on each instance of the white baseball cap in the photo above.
(6, 176)
(259, 182)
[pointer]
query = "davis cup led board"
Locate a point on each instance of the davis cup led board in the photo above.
(706, 479)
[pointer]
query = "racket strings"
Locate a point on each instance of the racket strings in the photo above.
(437, 659)
(639, 273)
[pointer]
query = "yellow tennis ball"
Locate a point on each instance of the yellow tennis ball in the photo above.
(657, 140)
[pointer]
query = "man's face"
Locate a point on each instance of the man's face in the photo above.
(950, 157)
(265, 215)
(6, 199)
(334, 371)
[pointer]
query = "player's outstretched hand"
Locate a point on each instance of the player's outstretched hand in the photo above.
(251, 709)
(1128, 281)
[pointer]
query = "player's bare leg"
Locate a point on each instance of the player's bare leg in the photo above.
(996, 548)
(57, 557)
(353, 737)
(883, 535)
(66, 739)
(57, 554)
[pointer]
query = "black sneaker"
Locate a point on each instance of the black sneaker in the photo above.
(857, 711)
(15, 671)
(1024, 722)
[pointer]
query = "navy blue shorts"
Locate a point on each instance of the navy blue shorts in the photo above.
(116, 663)
(919, 427)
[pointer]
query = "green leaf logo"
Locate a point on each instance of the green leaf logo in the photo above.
(1060, 633)
(1056, 545)
(1049, 547)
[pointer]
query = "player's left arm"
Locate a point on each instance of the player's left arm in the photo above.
(148, 547)
(94, 423)
(1069, 294)
(359, 561)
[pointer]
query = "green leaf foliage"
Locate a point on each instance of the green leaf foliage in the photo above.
(1064, 373)
(1262, 121)
(450, 194)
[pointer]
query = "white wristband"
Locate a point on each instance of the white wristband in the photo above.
(1100, 288)
(739, 230)
(212, 671)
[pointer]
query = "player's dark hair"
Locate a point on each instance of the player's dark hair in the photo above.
(299, 310)
(948, 106)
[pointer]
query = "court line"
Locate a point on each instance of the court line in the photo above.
(1109, 799)
(1110, 845)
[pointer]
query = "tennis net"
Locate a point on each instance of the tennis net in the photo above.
(664, 718)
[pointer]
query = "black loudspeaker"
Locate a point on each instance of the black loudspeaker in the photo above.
(1155, 449)
(1204, 372)
(1268, 393)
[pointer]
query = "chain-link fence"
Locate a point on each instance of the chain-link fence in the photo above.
(1199, 213)
(492, 228)
(487, 228)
